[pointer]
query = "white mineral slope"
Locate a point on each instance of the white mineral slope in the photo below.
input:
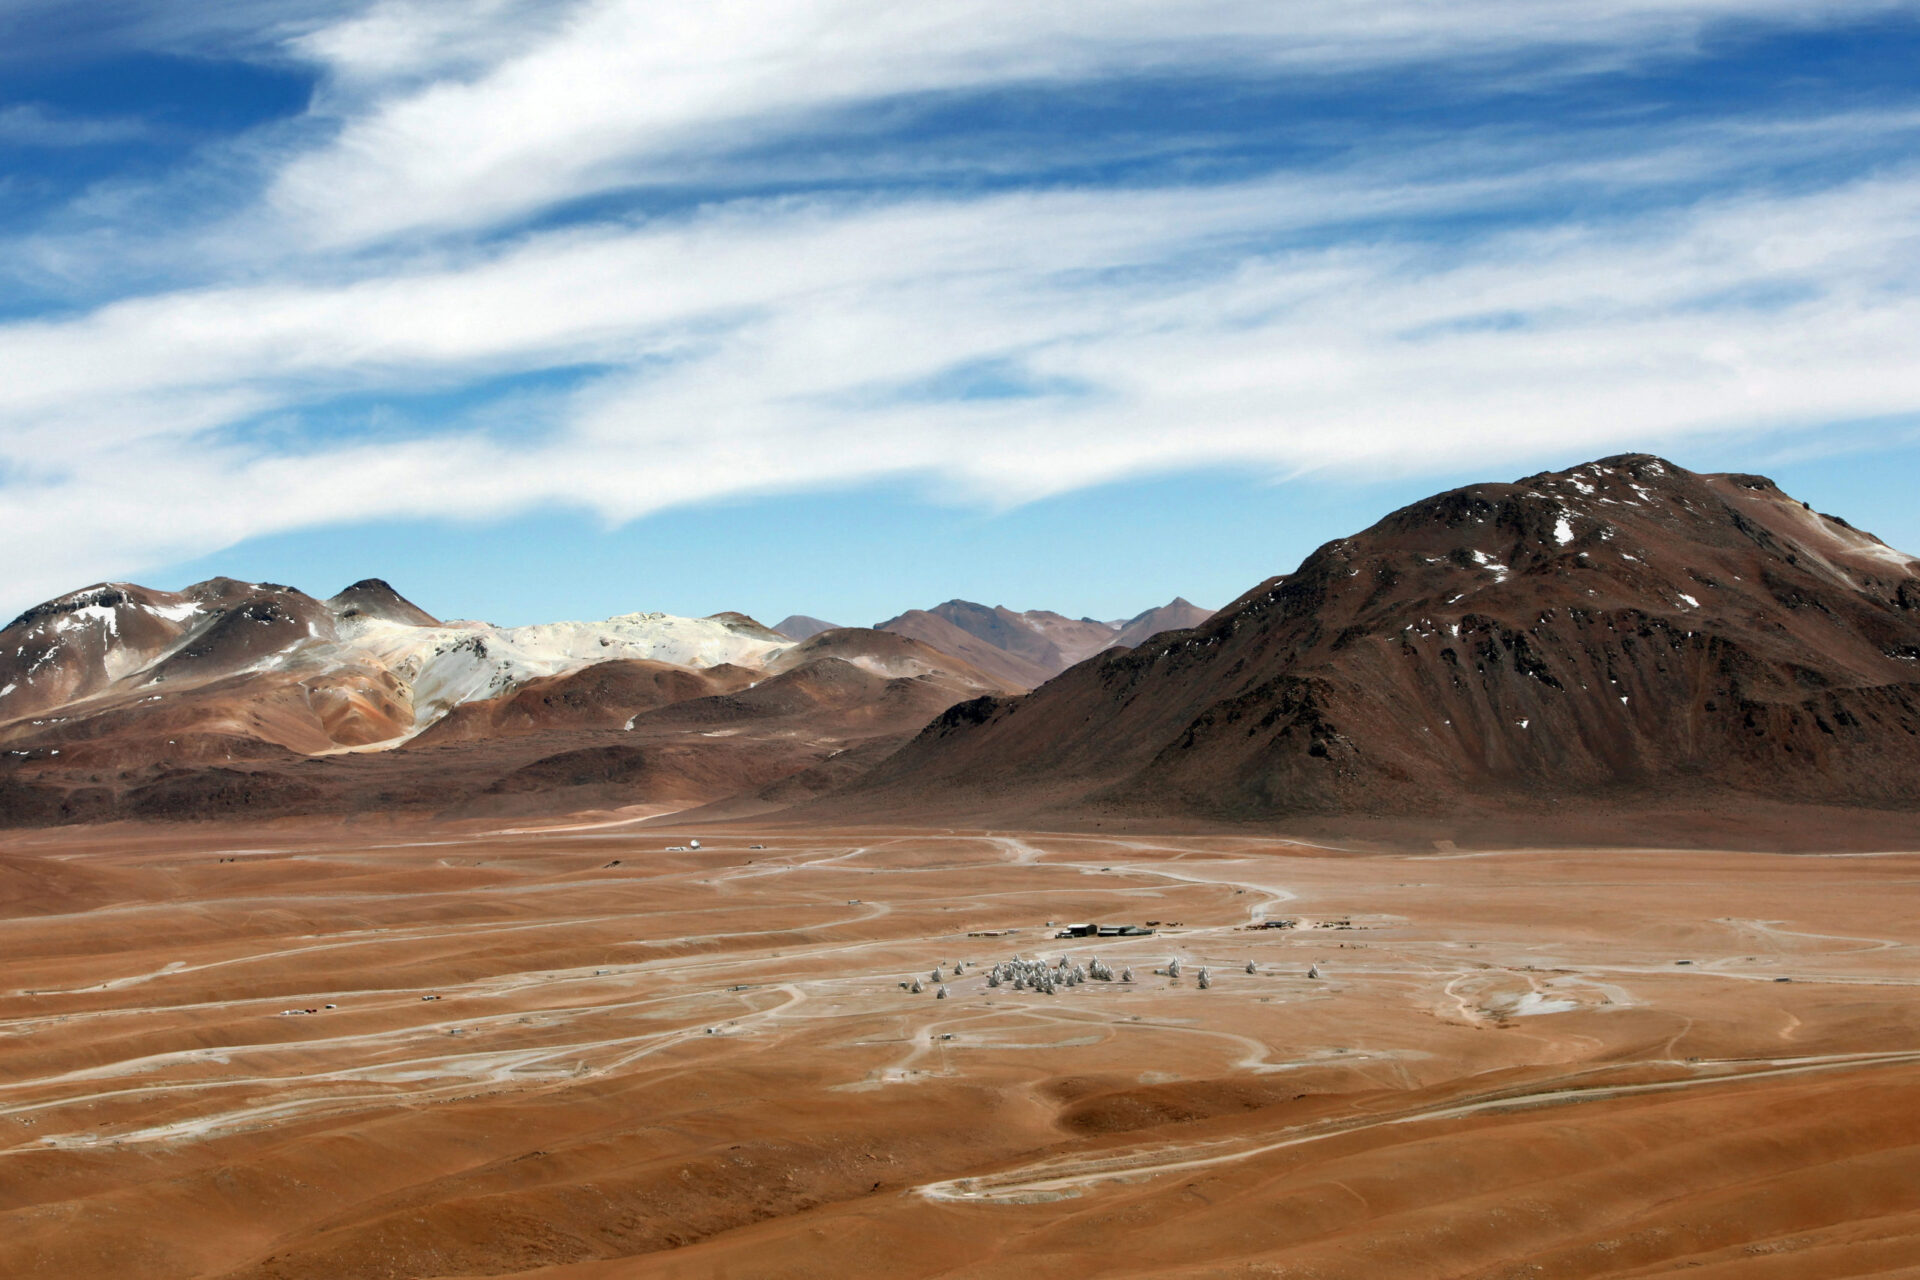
(470, 661)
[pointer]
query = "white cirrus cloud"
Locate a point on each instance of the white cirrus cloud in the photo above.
(1003, 348)
(463, 119)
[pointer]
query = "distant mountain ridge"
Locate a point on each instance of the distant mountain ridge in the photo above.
(1621, 631)
(237, 698)
(1030, 648)
(799, 626)
(1586, 642)
(1177, 615)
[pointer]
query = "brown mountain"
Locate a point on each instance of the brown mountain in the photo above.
(78, 645)
(1177, 615)
(931, 627)
(1027, 649)
(374, 598)
(1623, 634)
(799, 626)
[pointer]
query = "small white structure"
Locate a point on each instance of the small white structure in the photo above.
(1252, 968)
(693, 844)
(1173, 967)
(916, 988)
(1126, 973)
(941, 994)
(1204, 978)
(1313, 971)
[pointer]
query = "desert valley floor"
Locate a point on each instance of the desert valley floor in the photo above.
(577, 1054)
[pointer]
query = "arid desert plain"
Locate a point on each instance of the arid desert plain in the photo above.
(579, 1052)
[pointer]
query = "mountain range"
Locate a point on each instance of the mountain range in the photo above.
(252, 699)
(1605, 640)
(1025, 649)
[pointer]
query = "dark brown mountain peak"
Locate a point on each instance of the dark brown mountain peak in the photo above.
(745, 625)
(102, 595)
(1622, 628)
(246, 623)
(73, 645)
(376, 598)
(218, 591)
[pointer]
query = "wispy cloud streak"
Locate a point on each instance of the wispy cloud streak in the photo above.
(31, 125)
(621, 92)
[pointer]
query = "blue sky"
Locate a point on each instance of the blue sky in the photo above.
(548, 308)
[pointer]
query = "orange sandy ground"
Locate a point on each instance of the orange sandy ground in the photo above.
(699, 1064)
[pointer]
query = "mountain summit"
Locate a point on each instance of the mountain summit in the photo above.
(1623, 633)
(374, 598)
(1177, 615)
